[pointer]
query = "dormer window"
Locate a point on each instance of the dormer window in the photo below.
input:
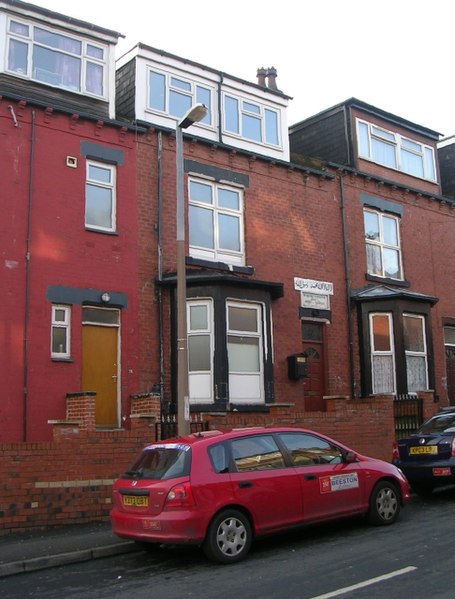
(251, 121)
(395, 151)
(56, 59)
(175, 95)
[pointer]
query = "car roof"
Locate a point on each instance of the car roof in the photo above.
(206, 437)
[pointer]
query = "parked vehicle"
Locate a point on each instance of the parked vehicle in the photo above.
(427, 457)
(222, 489)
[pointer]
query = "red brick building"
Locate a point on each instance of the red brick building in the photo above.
(69, 225)
(319, 264)
(399, 246)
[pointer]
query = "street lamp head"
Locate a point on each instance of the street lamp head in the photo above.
(195, 114)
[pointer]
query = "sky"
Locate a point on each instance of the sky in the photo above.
(397, 55)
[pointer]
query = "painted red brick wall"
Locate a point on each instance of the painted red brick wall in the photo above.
(38, 187)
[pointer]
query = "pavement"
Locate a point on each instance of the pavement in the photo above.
(31, 551)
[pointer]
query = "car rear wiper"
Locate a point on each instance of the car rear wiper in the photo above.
(135, 473)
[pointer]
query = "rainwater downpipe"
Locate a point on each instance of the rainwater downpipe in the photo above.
(27, 278)
(160, 260)
(347, 281)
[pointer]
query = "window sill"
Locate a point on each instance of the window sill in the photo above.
(244, 270)
(387, 280)
(92, 230)
(54, 359)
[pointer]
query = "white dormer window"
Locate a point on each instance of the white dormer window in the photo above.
(251, 121)
(395, 151)
(55, 59)
(174, 95)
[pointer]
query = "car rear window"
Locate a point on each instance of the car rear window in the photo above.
(161, 462)
(439, 424)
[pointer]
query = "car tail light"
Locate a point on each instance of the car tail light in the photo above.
(453, 447)
(180, 496)
(395, 451)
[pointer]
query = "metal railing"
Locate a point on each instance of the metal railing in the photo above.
(167, 427)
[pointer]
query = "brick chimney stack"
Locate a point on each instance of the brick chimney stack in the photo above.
(261, 75)
(272, 75)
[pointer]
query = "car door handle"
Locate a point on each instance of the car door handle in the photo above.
(245, 484)
(310, 477)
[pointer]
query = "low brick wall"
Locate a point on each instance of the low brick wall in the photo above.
(69, 480)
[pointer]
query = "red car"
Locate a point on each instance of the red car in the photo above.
(222, 489)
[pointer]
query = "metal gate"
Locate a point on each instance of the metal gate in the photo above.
(408, 414)
(167, 427)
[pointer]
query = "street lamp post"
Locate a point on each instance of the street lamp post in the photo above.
(195, 114)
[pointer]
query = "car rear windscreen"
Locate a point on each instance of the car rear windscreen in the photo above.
(161, 462)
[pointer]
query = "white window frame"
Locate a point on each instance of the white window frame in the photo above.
(216, 253)
(196, 93)
(377, 355)
(417, 354)
(64, 325)
(111, 186)
(250, 384)
(201, 382)
(401, 145)
(380, 243)
(260, 114)
(84, 56)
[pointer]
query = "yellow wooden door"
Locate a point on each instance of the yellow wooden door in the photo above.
(100, 371)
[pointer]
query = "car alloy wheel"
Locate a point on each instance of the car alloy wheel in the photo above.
(384, 504)
(228, 537)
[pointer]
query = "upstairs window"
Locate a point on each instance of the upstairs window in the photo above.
(56, 59)
(251, 121)
(395, 151)
(100, 197)
(382, 244)
(216, 222)
(175, 96)
(60, 332)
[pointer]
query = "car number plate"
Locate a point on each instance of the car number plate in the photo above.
(423, 449)
(135, 500)
(441, 472)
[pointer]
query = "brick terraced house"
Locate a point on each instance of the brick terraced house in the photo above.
(319, 259)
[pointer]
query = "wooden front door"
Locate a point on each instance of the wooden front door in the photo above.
(100, 371)
(313, 349)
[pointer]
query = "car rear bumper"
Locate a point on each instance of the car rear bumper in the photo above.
(170, 528)
(435, 473)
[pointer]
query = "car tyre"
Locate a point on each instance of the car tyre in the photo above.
(228, 538)
(384, 504)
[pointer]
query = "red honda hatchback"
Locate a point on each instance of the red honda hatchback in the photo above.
(221, 489)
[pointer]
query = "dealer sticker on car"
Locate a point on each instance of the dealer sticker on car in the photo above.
(338, 482)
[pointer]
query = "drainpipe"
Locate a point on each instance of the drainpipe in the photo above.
(220, 111)
(27, 278)
(341, 176)
(160, 262)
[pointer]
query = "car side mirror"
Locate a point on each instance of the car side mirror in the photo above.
(350, 457)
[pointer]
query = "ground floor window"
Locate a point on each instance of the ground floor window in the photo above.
(229, 348)
(61, 332)
(416, 352)
(394, 350)
(382, 353)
